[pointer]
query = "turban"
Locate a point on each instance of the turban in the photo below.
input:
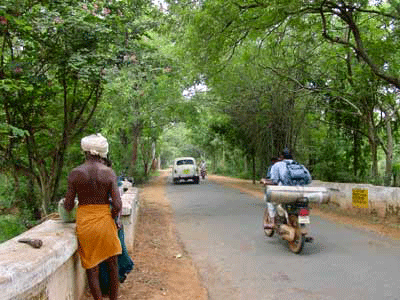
(95, 144)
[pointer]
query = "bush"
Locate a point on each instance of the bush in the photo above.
(245, 175)
(10, 226)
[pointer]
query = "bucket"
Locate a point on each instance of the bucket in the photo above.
(67, 217)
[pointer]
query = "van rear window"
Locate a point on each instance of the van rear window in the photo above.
(185, 162)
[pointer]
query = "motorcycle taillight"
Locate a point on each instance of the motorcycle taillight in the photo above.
(304, 212)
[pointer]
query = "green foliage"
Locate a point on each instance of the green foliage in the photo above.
(18, 198)
(269, 69)
(53, 59)
(277, 74)
(176, 142)
(10, 226)
(142, 96)
(15, 213)
(7, 193)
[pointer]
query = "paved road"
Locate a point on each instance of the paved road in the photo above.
(221, 229)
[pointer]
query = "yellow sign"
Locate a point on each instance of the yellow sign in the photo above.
(360, 198)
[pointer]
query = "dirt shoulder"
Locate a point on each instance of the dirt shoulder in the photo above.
(163, 269)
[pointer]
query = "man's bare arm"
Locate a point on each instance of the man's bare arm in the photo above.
(69, 201)
(116, 202)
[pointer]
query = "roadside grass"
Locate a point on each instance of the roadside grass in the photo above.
(10, 226)
(155, 173)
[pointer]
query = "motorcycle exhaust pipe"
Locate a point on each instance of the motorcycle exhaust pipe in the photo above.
(287, 232)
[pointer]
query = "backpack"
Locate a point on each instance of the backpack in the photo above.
(297, 173)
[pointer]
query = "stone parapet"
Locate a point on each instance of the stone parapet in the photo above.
(130, 206)
(54, 270)
(379, 197)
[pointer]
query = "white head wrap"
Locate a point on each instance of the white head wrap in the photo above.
(95, 144)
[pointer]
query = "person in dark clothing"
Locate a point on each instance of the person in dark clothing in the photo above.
(125, 263)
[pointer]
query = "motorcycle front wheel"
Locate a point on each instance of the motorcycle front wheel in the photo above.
(297, 245)
(267, 220)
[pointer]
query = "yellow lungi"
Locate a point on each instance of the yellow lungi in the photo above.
(97, 234)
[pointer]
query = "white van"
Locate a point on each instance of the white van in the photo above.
(185, 168)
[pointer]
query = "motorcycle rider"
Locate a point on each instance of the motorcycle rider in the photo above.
(279, 175)
(267, 180)
(203, 166)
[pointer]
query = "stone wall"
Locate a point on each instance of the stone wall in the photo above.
(383, 200)
(54, 271)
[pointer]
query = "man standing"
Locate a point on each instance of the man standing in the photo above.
(94, 184)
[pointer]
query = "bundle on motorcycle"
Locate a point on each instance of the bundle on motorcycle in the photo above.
(292, 212)
(287, 194)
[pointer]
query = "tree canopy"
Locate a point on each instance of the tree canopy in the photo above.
(319, 77)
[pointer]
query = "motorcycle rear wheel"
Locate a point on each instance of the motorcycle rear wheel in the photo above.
(297, 245)
(267, 220)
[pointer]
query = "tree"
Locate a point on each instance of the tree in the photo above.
(142, 96)
(52, 62)
(360, 34)
(222, 26)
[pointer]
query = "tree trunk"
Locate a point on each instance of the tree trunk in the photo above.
(137, 128)
(374, 156)
(396, 178)
(388, 151)
(57, 167)
(32, 199)
(214, 161)
(356, 153)
(373, 142)
(44, 192)
(148, 155)
(254, 168)
(154, 164)
(223, 154)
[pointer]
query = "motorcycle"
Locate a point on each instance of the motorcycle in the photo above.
(203, 173)
(291, 219)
